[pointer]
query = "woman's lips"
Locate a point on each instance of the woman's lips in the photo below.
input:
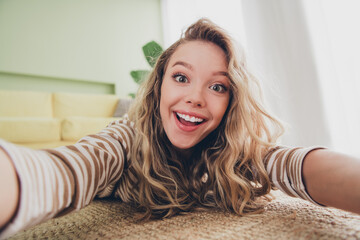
(188, 118)
(187, 123)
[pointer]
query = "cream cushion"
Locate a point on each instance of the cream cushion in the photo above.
(47, 145)
(35, 119)
(22, 130)
(85, 105)
(25, 104)
(74, 128)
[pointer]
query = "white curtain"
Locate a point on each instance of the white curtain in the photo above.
(293, 47)
(335, 36)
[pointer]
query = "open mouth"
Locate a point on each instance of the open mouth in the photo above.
(188, 120)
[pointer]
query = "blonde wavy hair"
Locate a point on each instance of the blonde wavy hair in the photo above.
(162, 184)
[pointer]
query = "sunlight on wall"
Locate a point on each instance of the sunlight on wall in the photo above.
(177, 15)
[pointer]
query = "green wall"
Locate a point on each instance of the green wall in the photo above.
(82, 45)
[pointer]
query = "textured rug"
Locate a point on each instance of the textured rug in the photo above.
(284, 218)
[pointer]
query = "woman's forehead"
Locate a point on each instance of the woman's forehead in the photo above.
(197, 53)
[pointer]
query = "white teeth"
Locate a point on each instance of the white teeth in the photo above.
(190, 119)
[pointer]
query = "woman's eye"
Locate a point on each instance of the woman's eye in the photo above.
(180, 78)
(218, 88)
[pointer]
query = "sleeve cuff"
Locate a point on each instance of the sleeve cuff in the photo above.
(284, 166)
(303, 187)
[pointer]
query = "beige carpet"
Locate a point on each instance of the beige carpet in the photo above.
(284, 218)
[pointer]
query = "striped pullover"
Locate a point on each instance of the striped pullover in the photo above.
(57, 181)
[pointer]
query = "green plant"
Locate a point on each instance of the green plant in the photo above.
(152, 51)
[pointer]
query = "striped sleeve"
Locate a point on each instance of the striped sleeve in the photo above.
(57, 181)
(284, 167)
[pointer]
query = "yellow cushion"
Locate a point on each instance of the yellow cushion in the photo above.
(23, 130)
(25, 104)
(74, 128)
(87, 105)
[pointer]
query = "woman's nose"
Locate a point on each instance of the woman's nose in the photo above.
(196, 98)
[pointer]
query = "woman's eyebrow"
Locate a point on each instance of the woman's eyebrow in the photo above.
(222, 73)
(187, 65)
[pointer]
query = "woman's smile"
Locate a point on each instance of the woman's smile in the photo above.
(188, 122)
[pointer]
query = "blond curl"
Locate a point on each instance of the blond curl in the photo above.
(162, 184)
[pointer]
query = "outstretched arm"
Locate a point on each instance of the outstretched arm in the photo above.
(53, 182)
(333, 179)
(9, 189)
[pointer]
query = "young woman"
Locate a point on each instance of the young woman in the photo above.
(197, 137)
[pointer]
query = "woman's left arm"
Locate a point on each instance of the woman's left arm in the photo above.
(333, 179)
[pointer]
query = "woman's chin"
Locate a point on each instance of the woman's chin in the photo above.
(183, 146)
(184, 152)
(184, 149)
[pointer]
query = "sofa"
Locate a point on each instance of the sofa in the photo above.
(47, 120)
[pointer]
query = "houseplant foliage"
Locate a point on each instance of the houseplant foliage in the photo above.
(152, 51)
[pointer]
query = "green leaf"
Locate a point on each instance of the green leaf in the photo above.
(139, 75)
(152, 51)
(132, 95)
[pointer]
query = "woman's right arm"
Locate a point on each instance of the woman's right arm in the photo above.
(57, 181)
(9, 189)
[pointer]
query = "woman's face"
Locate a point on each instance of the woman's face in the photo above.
(194, 93)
